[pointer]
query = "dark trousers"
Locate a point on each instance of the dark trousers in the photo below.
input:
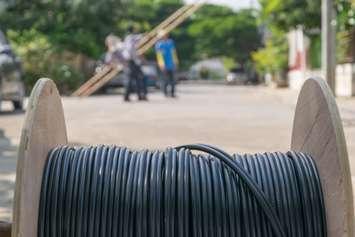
(135, 81)
(145, 86)
(169, 80)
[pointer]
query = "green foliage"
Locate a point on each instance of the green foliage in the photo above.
(229, 63)
(42, 31)
(79, 26)
(315, 48)
(345, 14)
(221, 32)
(273, 57)
(41, 59)
(286, 14)
(346, 29)
(279, 17)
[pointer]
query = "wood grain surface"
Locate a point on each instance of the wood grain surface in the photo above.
(43, 129)
(318, 131)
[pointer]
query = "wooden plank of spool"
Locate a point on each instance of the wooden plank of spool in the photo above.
(318, 131)
(44, 128)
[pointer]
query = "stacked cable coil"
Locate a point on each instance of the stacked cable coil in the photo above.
(114, 191)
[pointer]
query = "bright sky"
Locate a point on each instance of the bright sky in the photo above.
(235, 4)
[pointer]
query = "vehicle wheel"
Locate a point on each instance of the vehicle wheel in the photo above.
(18, 105)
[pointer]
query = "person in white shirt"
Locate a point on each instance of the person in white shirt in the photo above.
(115, 50)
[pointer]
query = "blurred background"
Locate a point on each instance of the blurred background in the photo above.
(64, 40)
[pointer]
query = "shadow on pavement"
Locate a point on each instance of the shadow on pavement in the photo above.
(8, 157)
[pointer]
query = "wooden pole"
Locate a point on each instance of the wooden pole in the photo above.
(329, 42)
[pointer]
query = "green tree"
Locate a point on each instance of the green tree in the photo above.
(218, 31)
(272, 58)
(279, 17)
(79, 26)
(284, 15)
(68, 28)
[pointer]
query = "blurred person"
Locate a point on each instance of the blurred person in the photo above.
(134, 61)
(114, 55)
(168, 61)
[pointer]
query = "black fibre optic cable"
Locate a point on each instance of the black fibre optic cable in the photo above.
(113, 191)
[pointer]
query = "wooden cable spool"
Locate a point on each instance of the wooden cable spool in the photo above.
(317, 131)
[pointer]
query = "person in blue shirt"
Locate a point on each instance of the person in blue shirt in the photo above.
(167, 61)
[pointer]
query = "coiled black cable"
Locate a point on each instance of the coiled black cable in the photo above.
(114, 191)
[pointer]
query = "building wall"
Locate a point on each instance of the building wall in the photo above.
(345, 79)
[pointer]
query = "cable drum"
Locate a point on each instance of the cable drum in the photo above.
(114, 191)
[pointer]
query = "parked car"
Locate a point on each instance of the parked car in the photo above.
(152, 74)
(182, 76)
(11, 85)
(237, 76)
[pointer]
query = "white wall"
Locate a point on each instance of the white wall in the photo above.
(345, 79)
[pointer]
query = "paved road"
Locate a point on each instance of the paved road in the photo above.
(237, 119)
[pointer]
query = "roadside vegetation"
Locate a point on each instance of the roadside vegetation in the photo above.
(280, 16)
(63, 39)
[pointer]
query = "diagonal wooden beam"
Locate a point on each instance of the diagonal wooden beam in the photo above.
(162, 25)
(108, 77)
(170, 27)
(92, 81)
